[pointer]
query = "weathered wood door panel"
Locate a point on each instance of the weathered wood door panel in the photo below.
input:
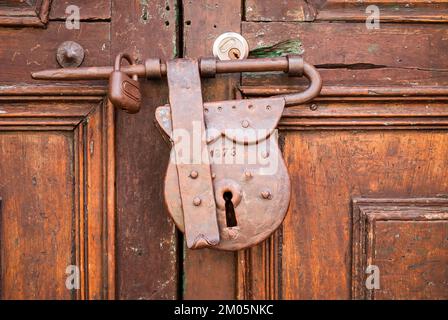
(405, 238)
(55, 162)
(33, 165)
(335, 168)
(144, 247)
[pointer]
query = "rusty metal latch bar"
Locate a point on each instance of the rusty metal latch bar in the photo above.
(208, 67)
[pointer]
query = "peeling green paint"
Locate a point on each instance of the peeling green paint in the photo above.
(278, 50)
(144, 17)
(176, 39)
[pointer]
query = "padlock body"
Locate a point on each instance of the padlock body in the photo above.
(124, 92)
(245, 162)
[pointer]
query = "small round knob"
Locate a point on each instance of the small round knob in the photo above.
(70, 54)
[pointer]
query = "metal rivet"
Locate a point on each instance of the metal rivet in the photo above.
(266, 194)
(205, 110)
(197, 201)
(219, 108)
(268, 107)
(265, 154)
(213, 175)
(314, 107)
(245, 123)
(250, 106)
(194, 174)
(248, 174)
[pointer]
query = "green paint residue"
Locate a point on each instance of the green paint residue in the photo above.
(278, 50)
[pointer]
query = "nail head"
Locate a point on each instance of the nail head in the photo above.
(197, 201)
(194, 174)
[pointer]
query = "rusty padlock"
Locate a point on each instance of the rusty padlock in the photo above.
(236, 193)
(124, 92)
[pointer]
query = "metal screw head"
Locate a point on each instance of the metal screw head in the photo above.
(194, 174)
(314, 107)
(230, 46)
(197, 201)
(245, 123)
(266, 194)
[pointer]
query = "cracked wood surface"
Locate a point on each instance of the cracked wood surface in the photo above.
(335, 10)
(396, 54)
(210, 274)
(147, 265)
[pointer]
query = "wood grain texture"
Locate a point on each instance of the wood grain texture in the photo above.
(32, 13)
(147, 265)
(27, 50)
(365, 58)
(286, 10)
(37, 217)
(210, 274)
(328, 169)
(62, 148)
(407, 240)
(258, 270)
(334, 10)
(89, 10)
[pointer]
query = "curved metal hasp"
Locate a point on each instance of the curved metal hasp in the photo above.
(237, 193)
(293, 65)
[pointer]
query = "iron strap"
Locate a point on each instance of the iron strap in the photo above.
(195, 180)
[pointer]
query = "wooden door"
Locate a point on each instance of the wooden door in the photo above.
(368, 158)
(81, 185)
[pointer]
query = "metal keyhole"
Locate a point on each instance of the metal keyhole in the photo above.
(234, 54)
(230, 210)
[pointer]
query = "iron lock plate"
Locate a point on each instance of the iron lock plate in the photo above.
(239, 156)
